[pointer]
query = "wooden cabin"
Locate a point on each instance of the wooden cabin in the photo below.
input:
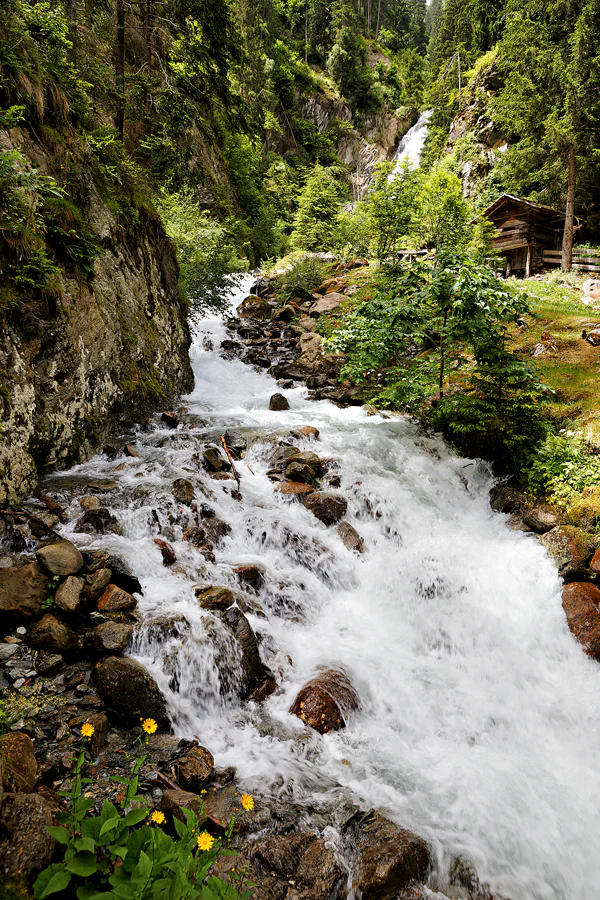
(525, 231)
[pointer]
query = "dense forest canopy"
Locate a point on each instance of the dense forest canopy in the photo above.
(236, 111)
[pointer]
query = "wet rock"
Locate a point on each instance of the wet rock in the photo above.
(109, 637)
(350, 536)
(122, 576)
(170, 418)
(505, 498)
(62, 558)
(297, 471)
(89, 501)
(308, 458)
(325, 702)
(595, 563)
(252, 671)
(129, 691)
(327, 304)
(183, 491)
(96, 583)
(252, 575)
(571, 549)
(22, 590)
(47, 663)
(26, 847)
(592, 337)
(174, 802)
(278, 402)
(114, 599)
(581, 603)
(294, 488)
(254, 307)
(49, 633)
(465, 883)
(19, 765)
(101, 726)
(195, 536)
(195, 769)
(328, 508)
(387, 858)
(216, 529)
(296, 866)
(220, 598)
(285, 314)
(166, 551)
(542, 518)
(166, 626)
(309, 432)
(68, 594)
(214, 460)
(264, 689)
(98, 521)
(224, 803)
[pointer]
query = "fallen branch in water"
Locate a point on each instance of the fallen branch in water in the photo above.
(235, 471)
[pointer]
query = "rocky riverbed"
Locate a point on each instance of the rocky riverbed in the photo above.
(207, 574)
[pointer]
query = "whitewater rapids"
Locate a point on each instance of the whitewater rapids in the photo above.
(479, 726)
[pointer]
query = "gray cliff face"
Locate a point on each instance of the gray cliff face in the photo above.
(115, 350)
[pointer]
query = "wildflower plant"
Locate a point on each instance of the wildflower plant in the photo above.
(130, 852)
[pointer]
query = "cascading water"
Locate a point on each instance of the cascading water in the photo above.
(480, 713)
(411, 146)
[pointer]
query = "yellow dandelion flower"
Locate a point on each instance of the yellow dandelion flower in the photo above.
(158, 817)
(247, 802)
(87, 730)
(149, 726)
(205, 841)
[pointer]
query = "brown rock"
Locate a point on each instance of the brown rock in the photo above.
(89, 501)
(101, 726)
(47, 663)
(293, 488)
(504, 498)
(167, 552)
(196, 769)
(109, 637)
(216, 597)
(224, 803)
(327, 304)
(581, 603)
(183, 491)
(62, 558)
(214, 460)
(328, 508)
(263, 690)
(170, 418)
(252, 575)
(285, 314)
(309, 431)
(49, 633)
(26, 847)
(595, 563)
(325, 702)
(98, 521)
(541, 518)
(97, 582)
(571, 549)
(116, 600)
(300, 859)
(130, 691)
(68, 594)
(278, 402)
(19, 765)
(22, 590)
(297, 471)
(350, 536)
(252, 671)
(254, 307)
(195, 536)
(387, 858)
(174, 802)
(216, 529)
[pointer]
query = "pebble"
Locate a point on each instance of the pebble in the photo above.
(21, 630)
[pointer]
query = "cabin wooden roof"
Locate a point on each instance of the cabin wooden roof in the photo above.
(509, 198)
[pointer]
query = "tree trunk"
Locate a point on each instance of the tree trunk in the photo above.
(567, 244)
(378, 19)
(120, 69)
(72, 16)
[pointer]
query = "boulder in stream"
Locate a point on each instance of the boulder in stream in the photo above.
(328, 508)
(278, 402)
(195, 769)
(581, 603)
(114, 599)
(254, 307)
(386, 858)
(571, 549)
(350, 536)
(62, 558)
(326, 701)
(129, 691)
(98, 521)
(183, 491)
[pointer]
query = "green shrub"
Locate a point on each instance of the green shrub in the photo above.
(302, 278)
(564, 466)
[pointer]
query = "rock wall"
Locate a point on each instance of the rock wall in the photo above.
(115, 349)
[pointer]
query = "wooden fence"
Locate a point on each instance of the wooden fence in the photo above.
(585, 260)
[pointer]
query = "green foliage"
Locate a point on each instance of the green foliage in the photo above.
(564, 466)
(432, 340)
(49, 600)
(120, 854)
(302, 278)
(318, 204)
(392, 206)
(207, 254)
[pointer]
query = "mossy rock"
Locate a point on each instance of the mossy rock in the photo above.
(584, 511)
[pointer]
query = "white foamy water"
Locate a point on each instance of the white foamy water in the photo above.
(411, 146)
(479, 720)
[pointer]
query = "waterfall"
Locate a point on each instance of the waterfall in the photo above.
(411, 145)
